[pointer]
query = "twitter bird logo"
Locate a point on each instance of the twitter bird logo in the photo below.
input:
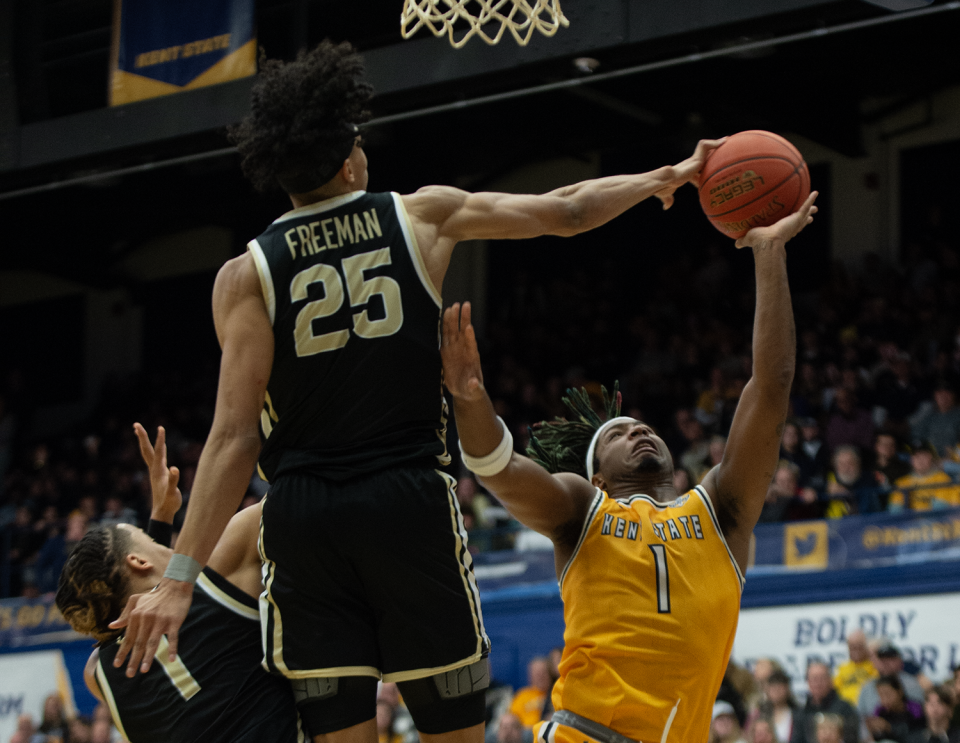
(805, 545)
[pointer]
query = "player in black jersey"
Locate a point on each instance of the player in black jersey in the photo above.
(215, 690)
(330, 333)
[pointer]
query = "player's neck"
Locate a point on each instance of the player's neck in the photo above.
(144, 581)
(657, 487)
(336, 187)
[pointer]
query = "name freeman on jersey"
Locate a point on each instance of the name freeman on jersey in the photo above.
(631, 529)
(333, 233)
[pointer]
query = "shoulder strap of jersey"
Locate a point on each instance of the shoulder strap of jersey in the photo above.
(591, 515)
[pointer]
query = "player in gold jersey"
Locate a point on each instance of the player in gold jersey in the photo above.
(650, 578)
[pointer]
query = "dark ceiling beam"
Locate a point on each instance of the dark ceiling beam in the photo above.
(8, 90)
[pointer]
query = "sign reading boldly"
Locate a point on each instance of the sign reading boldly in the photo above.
(925, 628)
(165, 46)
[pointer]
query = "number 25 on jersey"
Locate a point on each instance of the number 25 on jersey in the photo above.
(359, 291)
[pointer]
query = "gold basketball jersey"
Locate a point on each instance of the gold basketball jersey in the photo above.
(651, 600)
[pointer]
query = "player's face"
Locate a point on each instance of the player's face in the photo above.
(628, 448)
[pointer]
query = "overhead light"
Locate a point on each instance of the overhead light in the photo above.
(586, 65)
(898, 5)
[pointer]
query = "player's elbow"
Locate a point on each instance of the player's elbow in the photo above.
(571, 217)
(777, 381)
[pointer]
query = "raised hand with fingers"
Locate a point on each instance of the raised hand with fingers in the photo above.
(461, 359)
(784, 230)
(167, 498)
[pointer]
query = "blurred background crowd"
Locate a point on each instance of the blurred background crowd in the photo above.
(874, 423)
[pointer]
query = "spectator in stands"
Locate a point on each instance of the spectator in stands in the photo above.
(80, 731)
(848, 423)
(762, 731)
(385, 731)
(725, 727)
(829, 728)
(779, 705)
(856, 671)
(26, 731)
(53, 723)
(927, 487)
(511, 730)
(941, 425)
(888, 661)
(896, 717)
(822, 699)
(116, 512)
(888, 466)
(896, 392)
(955, 722)
(792, 451)
(938, 708)
(850, 490)
(401, 723)
(528, 702)
(781, 493)
(814, 448)
(53, 555)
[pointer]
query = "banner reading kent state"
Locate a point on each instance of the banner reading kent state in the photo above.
(165, 46)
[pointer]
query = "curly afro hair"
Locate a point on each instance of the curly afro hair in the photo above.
(301, 114)
(93, 583)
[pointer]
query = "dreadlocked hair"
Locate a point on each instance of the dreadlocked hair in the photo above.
(561, 445)
(301, 108)
(93, 583)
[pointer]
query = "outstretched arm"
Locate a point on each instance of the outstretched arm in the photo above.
(442, 216)
(554, 505)
(228, 458)
(738, 485)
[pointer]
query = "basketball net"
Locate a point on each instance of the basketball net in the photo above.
(521, 17)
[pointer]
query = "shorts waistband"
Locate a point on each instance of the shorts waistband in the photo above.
(594, 729)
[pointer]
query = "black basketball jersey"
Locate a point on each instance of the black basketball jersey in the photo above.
(356, 383)
(215, 691)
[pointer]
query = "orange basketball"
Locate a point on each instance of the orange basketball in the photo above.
(753, 179)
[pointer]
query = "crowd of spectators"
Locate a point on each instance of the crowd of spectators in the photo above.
(56, 726)
(873, 696)
(874, 423)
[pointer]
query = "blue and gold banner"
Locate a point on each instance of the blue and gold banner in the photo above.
(165, 46)
(30, 622)
(859, 541)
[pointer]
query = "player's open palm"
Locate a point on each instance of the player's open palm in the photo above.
(167, 498)
(461, 359)
(786, 229)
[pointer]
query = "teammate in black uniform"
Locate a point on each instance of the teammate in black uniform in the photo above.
(215, 690)
(329, 327)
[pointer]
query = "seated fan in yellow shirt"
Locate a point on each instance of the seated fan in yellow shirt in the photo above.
(650, 578)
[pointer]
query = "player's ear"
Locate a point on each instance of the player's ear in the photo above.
(138, 563)
(347, 172)
(598, 481)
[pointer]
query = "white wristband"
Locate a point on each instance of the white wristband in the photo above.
(494, 462)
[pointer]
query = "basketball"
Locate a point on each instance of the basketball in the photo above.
(753, 179)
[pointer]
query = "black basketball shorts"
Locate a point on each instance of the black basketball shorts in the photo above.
(368, 577)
